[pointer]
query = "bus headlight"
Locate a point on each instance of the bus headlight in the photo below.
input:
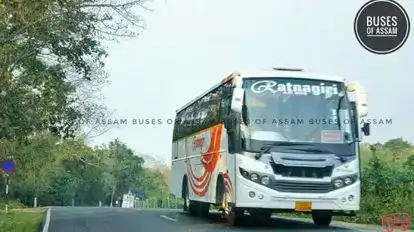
(254, 177)
(338, 183)
(265, 180)
(343, 181)
(244, 173)
(348, 181)
(258, 177)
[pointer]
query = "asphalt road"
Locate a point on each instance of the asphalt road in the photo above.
(78, 219)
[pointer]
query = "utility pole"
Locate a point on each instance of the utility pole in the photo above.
(8, 167)
(7, 192)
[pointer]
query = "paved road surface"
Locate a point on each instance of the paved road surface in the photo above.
(80, 219)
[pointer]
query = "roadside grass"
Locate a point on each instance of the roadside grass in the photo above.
(394, 159)
(14, 204)
(21, 221)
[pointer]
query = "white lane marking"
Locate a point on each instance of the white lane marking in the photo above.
(47, 221)
(168, 218)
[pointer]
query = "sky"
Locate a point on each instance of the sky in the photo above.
(190, 45)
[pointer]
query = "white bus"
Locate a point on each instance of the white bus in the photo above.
(276, 141)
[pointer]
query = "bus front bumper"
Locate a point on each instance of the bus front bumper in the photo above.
(344, 199)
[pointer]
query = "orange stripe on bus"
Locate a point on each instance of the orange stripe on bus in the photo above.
(202, 184)
(197, 178)
(209, 161)
(194, 178)
(204, 190)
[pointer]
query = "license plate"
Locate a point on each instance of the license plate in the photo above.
(303, 206)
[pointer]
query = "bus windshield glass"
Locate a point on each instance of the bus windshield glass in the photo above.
(297, 110)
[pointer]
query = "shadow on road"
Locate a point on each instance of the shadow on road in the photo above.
(265, 225)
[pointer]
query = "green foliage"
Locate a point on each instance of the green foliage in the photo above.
(51, 50)
(56, 173)
(20, 221)
(387, 187)
(51, 66)
(409, 164)
(397, 144)
(14, 204)
(163, 202)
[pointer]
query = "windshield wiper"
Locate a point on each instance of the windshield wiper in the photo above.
(353, 141)
(267, 148)
(263, 150)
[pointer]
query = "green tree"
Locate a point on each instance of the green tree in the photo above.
(49, 48)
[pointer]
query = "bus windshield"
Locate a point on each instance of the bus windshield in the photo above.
(297, 110)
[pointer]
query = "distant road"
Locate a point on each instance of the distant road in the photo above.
(79, 219)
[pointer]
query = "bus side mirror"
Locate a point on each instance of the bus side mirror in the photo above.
(237, 100)
(360, 97)
(366, 129)
(362, 106)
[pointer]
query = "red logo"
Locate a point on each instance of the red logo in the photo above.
(198, 143)
(394, 221)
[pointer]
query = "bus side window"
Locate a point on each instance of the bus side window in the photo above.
(189, 120)
(178, 126)
(226, 94)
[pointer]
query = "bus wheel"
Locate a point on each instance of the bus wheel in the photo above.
(190, 206)
(322, 219)
(186, 200)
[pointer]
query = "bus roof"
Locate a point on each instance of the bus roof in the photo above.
(274, 74)
(291, 74)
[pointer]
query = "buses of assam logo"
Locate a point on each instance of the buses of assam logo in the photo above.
(382, 26)
(400, 221)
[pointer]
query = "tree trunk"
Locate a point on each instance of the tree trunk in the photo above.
(112, 196)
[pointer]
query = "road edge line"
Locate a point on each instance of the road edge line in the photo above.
(168, 218)
(47, 221)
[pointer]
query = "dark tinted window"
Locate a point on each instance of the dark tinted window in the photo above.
(206, 112)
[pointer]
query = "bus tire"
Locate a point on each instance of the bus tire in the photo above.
(220, 190)
(185, 194)
(323, 220)
(192, 207)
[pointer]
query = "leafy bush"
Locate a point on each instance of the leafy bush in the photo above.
(13, 204)
(385, 190)
(72, 172)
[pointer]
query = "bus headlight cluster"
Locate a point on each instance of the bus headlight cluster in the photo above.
(344, 181)
(258, 177)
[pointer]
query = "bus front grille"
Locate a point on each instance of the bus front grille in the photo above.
(309, 172)
(302, 187)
